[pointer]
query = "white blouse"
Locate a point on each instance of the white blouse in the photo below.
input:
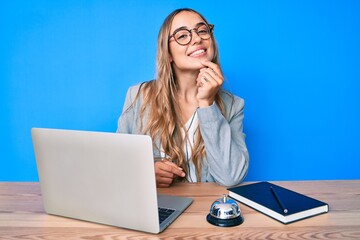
(191, 127)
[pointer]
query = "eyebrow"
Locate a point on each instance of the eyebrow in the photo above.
(186, 28)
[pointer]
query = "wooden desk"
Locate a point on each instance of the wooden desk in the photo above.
(22, 216)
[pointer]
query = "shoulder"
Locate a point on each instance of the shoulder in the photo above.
(136, 90)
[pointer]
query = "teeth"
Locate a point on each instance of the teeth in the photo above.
(197, 52)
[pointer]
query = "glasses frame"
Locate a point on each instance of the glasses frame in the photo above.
(209, 26)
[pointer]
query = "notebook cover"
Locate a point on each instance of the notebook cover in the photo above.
(259, 196)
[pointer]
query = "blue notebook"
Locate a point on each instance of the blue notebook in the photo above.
(277, 202)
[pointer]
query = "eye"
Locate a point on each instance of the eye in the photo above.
(181, 35)
(203, 30)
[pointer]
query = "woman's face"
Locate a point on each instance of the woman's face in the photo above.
(189, 57)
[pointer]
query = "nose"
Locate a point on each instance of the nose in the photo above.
(195, 37)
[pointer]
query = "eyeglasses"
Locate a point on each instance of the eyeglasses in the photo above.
(183, 36)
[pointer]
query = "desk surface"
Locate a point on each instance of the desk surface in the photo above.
(22, 215)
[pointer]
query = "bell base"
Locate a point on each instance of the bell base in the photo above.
(225, 222)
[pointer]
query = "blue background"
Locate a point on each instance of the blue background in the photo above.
(68, 64)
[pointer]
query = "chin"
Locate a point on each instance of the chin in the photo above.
(198, 66)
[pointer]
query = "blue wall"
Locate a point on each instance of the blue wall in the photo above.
(68, 64)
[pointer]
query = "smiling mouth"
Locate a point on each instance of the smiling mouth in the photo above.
(197, 53)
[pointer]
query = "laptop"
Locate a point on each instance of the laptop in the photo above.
(107, 178)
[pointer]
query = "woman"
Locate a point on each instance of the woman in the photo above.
(196, 126)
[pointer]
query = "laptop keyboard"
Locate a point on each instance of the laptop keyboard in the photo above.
(164, 213)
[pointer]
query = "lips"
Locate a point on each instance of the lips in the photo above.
(197, 52)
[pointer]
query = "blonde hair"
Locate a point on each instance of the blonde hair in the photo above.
(159, 97)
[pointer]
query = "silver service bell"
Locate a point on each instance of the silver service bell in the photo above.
(225, 212)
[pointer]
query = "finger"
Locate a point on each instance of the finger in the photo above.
(171, 169)
(163, 180)
(161, 185)
(178, 172)
(169, 163)
(199, 81)
(202, 82)
(209, 80)
(206, 79)
(161, 169)
(164, 173)
(211, 65)
(214, 67)
(209, 74)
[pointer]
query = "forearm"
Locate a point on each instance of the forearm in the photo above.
(226, 151)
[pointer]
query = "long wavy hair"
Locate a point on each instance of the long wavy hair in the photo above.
(161, 105)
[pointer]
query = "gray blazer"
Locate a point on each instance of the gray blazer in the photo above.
(227, 158)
